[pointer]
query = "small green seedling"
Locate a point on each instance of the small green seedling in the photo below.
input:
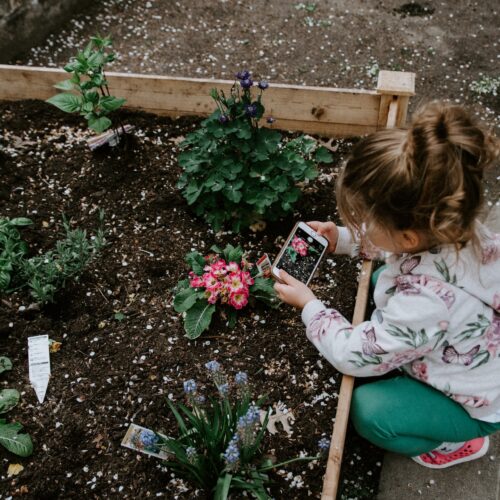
(87, 91)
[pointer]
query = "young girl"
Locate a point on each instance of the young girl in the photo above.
(416, 194)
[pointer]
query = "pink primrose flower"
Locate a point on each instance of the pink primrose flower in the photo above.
(196, 282)
(246, 278)
(239, 299)
(212, 297)
(232, 267)
(210, 281)
(234, 283)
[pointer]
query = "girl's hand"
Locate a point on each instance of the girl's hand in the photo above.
(293, 291)
(328, 230)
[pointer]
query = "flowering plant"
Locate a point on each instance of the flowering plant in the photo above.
(223, 278)
(238, 172)
(218, 448)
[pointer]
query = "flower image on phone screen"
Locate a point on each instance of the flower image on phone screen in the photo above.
(301, 256)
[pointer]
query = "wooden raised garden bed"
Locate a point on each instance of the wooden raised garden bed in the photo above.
(326, 112)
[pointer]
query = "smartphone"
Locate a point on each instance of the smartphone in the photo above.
(301, 254)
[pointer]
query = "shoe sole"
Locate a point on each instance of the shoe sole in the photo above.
(478, 454)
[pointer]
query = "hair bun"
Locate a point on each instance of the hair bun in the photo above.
(442, 128)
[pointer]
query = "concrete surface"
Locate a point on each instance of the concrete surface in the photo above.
(403, 479)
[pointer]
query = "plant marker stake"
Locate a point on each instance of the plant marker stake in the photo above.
(39, 364)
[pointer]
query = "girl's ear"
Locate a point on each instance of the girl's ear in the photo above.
(412, 240)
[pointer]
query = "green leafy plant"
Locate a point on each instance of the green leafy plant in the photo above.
(12, 248)
(10, 437)
(238, 172)
(92, 99)
(225, 279)
(47, 273)
(219, 443)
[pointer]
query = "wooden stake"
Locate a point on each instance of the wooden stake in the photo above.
(332, 475)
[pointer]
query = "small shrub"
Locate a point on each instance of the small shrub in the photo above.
(93, 99)
(45, 274)
(219, 443)
(17, 443)
(225, 279)
(12, 249)
(237, 172)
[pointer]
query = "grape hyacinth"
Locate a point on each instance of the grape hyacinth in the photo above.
(191, 454)
(247, 424)
(223, 389)
(324, 444)
(241, 378)
(189, 386)
(212, 366)
(232, 453)
(263, 84)
(223, 118)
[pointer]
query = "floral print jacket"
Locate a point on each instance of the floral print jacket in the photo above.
(437, 317)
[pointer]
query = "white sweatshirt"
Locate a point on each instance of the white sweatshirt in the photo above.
(437, 317)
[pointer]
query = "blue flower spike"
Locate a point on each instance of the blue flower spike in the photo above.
(324, 444)
(189, 386)
(212, 366)
(241, 378)
(232, 454)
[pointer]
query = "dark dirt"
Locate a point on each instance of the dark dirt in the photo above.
(110, 373)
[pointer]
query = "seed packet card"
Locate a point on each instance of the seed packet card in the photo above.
(145, 441)
(264, 266)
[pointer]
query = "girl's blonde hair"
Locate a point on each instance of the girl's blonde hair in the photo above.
(427, 177)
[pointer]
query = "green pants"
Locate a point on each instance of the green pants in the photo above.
(409, 417)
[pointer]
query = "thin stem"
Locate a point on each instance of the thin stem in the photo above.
(297, 459)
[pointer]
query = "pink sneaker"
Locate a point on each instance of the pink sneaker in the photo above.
(447, 454)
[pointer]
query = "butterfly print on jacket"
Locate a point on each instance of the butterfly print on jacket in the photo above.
(369, 343)
(452, 356)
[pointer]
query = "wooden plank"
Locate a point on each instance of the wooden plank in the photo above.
(332, 474)
(316, 109)
(396, 83)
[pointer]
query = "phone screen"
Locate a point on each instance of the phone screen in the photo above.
(301, 256)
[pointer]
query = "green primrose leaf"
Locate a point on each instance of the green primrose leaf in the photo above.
(69, 103)
(20, 444)
(186, 298)
(8, 399)
(5, 364)
(198, 318)
(196, 262)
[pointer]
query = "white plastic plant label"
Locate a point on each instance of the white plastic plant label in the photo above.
(39, 364)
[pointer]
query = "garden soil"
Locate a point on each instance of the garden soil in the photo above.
(110, 372)
(341, 43)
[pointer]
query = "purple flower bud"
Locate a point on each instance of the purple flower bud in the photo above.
(251, 110)
(263, 84)
(243, 75)
(223, 119)
(246, 83)
(324, 444)
(212, 366)
(189, 386)
(270, 120)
